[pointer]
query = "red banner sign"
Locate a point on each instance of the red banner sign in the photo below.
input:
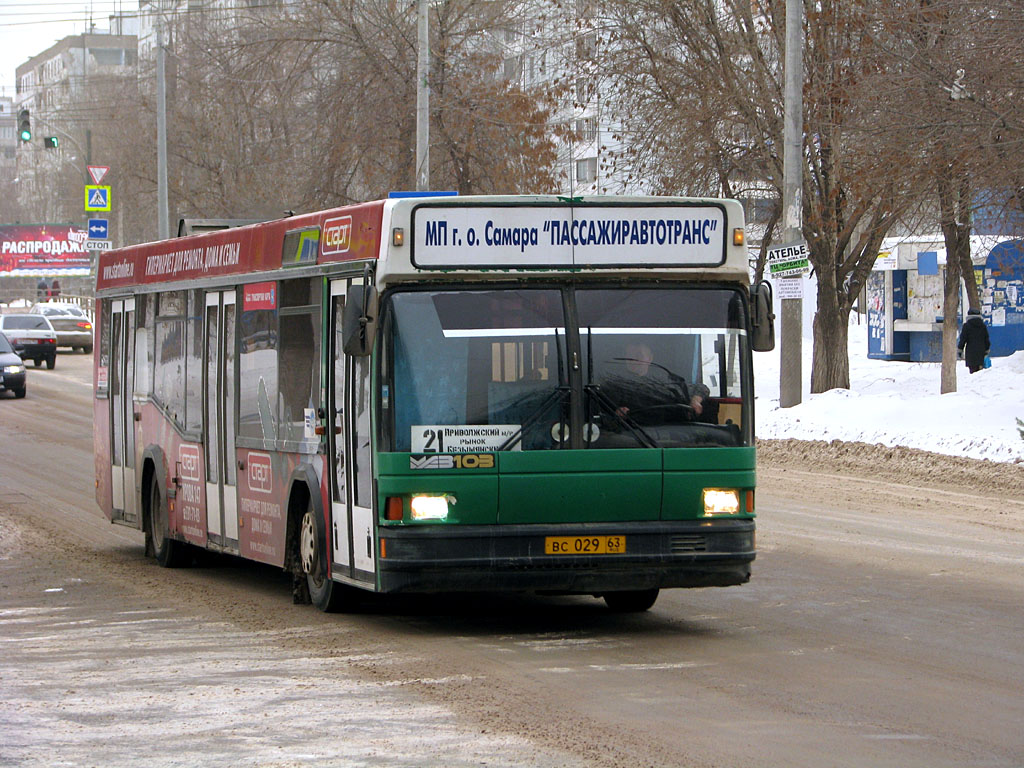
(259, 296)
(42, 247)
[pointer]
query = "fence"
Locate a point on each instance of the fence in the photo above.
(19, 300)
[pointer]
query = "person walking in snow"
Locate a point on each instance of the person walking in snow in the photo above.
(973, 341)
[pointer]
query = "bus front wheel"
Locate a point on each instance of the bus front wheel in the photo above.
(631, 601)
(324, 592)
(169, 553)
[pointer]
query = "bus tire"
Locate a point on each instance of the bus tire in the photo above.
(631, 601)
(324, 592)
(168, 552)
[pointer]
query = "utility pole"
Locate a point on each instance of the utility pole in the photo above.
(422, 98)
(791, 353)
(163, 225)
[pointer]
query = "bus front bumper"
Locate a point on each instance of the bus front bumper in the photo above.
(706, 553)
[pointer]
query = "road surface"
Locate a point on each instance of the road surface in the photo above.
(883, 627)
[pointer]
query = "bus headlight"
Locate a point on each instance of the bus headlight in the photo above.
(429, 507)
(721, 501)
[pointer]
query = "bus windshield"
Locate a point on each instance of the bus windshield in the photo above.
(471, 366)
(485, 370)
(662, 367)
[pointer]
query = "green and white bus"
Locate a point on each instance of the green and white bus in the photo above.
(442, 393)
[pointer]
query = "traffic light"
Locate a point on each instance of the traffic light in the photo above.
(50, 142)
(24, 126)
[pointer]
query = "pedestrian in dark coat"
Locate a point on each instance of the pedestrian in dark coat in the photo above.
(973, 340)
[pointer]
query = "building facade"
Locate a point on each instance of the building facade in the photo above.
(67, 89)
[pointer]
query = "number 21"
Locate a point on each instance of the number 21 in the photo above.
(432, 435)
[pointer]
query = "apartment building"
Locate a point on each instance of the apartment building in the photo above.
(60, 88)
(557, 46)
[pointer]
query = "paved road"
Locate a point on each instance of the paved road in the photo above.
(883, 627)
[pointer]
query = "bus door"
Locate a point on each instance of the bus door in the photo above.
(219, 421)
(122, 411)
(352, 529)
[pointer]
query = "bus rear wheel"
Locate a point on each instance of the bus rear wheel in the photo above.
(169, 553)
(631, 601)
(324, 592)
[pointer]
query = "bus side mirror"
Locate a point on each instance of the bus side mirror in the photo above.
(762, 318)
(359, 323)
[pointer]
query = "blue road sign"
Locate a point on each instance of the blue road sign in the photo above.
(97, 198)
(98, 229)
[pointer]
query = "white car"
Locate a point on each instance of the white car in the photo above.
(32, 337)
(73, 327)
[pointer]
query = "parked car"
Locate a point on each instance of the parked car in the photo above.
(12, 369)
(70, 322)
(32, 337)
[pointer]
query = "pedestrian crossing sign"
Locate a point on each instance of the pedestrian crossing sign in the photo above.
(97, 198)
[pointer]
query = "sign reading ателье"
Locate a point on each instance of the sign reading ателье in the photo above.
(788, 260)
(492, 236)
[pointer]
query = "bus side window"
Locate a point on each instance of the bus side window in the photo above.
(362, 469)
(169, 369)
(257, 417)
(298, 357)
(104, 318)
(299, 369)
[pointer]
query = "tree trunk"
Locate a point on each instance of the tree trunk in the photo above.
(766, 240)
(968, 276)
(950, 311)
(831, 367)
(955, 221)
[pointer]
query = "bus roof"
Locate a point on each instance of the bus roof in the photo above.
(254, 249)
(470, 237)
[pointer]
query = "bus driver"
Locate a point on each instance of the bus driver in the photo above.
(649, 393)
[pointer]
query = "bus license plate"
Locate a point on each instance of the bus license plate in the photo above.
(584, 545)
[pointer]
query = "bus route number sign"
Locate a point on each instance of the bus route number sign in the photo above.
(461, 438)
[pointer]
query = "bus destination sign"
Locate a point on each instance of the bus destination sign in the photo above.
(560, 237)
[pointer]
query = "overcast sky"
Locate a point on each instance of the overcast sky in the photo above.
(29, 27)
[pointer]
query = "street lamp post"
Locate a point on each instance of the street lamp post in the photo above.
(791, 353)
(422, 97)
(163, 218)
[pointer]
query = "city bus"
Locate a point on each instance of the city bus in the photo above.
(441, 394)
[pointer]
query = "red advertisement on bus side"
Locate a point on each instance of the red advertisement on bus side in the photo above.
(259, 296)
(347, 234)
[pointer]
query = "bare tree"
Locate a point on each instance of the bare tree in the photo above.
(316, 107)
(961, 62)
(488, 134)
(702, 86)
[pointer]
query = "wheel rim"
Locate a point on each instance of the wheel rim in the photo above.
(308, 553)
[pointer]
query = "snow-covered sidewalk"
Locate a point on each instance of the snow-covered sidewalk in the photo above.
(897, 403)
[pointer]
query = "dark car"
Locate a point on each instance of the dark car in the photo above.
(72, 325)
(12, 369)
(32, 337)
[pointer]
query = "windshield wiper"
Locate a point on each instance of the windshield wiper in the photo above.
(557, 396)
(594, 394)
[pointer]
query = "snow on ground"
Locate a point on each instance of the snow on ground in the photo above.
(898, 403)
